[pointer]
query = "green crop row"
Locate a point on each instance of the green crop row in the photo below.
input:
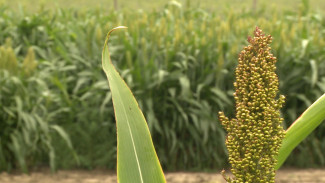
(178, 62)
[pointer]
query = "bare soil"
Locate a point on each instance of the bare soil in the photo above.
(101, 176)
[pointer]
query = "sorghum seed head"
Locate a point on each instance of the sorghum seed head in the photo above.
(256, 132)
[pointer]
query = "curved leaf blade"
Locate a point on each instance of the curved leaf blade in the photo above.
(301, 128)
(137, 161)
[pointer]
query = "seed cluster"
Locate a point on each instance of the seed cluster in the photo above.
(255, 135)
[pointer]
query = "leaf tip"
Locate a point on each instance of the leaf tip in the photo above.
(109, 33)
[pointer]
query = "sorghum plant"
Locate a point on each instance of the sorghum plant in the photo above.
(255, 135)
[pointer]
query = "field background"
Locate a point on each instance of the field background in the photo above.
(210, 5)
(177, 57)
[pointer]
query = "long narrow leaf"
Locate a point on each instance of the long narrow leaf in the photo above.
(301, 128)
(137, 161)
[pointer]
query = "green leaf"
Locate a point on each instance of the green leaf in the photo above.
(301, 128)
(63, 134)
(136, 156)
(314, 72)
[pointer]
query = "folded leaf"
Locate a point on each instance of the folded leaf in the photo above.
(136, 156)
(301, 128)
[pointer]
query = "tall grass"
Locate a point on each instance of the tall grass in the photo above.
(27, 120)
(180, 58)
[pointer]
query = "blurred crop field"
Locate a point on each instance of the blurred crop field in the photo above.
(210, 5)
(178, 59)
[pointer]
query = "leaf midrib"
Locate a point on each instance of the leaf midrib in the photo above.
(129, 128)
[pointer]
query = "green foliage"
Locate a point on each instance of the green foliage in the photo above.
(178, 62)
(27, 121)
